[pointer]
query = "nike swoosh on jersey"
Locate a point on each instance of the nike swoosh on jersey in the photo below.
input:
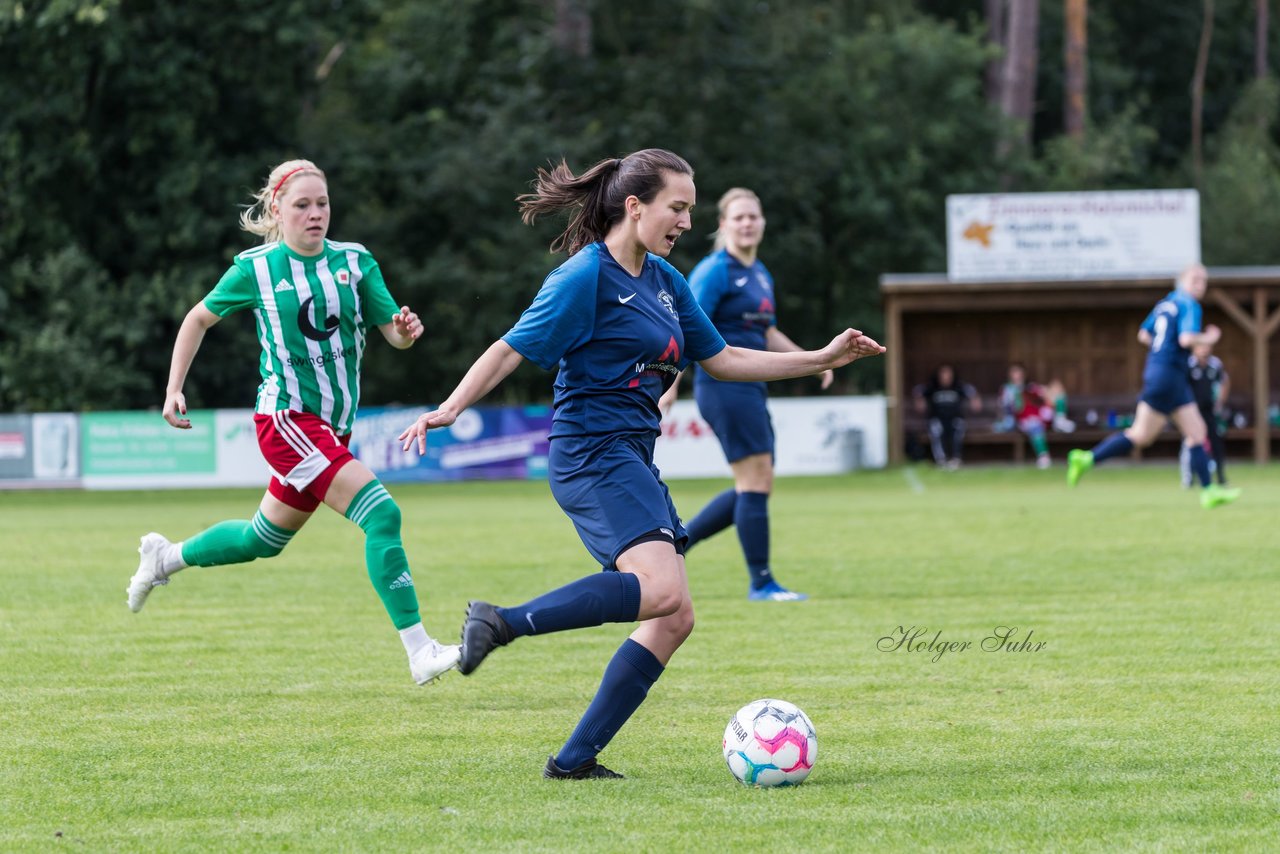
(625, 300)
(740, 282)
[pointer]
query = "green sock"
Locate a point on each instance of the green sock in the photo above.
(375, 511)
(236, 541)
(1039, 444)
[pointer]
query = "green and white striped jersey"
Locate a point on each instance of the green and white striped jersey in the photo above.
(313, 316)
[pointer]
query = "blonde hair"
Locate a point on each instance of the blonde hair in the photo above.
(1187, 271)
(258, 217)
(722, 207)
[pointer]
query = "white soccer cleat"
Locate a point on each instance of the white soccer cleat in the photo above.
(432, 660)
(150, 570)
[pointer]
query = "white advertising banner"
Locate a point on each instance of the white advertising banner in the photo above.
(1072, 235)
(814, 435)
(56, 440)
(139, 450)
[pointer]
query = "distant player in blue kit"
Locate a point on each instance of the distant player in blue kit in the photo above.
(620, 322)
(736, 291)
(1170, 331)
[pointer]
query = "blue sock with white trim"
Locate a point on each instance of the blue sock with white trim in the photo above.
(377, 514)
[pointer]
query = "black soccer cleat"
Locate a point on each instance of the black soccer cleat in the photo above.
(483, 631)
(589, 770)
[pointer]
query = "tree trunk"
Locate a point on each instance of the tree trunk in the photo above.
(572, 30)
(1197, 93)
(1018, 81)
(995, 14)
(1075, 48)
(1260, 39)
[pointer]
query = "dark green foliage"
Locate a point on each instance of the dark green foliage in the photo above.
(132, 132)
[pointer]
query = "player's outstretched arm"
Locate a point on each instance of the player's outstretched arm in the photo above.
(489, 370)
(779, 342)
(190, 335)
(745, 365)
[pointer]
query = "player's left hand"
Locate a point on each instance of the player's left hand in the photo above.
(827, 378)
(408, 324)
(426, 421)
(849, 346)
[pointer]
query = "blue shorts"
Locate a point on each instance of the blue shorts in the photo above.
(1166, 389)
(738, 415)
(611, 490)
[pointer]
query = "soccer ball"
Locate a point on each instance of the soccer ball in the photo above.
(770, 743)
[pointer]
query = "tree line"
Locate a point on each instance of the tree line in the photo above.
(132, 132)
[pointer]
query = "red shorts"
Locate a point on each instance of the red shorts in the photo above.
(304, 455)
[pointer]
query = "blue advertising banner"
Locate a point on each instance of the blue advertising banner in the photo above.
(486, 442)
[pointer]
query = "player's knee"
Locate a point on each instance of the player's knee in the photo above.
(681, 622)
(264, 539)
(264, 549)
(383, 520)
(1139, 438)
(665, 595)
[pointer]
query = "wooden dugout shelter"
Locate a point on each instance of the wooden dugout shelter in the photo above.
(1081, 331)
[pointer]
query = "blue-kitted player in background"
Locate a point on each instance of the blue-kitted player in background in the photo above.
(1170, 331)
(620, 322)
(736, 291)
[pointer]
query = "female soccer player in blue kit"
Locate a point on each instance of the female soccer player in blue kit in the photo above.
(620, 322)
(736, 291)
(1170, 331)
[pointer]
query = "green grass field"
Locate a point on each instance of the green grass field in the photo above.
(269, 706)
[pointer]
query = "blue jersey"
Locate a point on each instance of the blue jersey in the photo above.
(737, 298)
(739, 301)
(620, 340)
(1175, 314)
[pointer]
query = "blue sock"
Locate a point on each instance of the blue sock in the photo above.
(602, 597)
(1200, 464)
(1112, 446)
(627, 679)
(751, 516)
(712, 519)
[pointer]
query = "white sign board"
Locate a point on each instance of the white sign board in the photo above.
(813, 435)
(1072, 235)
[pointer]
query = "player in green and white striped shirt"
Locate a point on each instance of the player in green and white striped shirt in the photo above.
(314, 301)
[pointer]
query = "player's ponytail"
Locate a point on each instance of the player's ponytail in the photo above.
(597, 196)
(258, 218)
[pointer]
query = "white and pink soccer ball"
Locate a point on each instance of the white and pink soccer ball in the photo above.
(770, 743)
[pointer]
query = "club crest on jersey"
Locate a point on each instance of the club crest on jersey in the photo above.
(668, 303)
(343, 277)
(309, 329)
